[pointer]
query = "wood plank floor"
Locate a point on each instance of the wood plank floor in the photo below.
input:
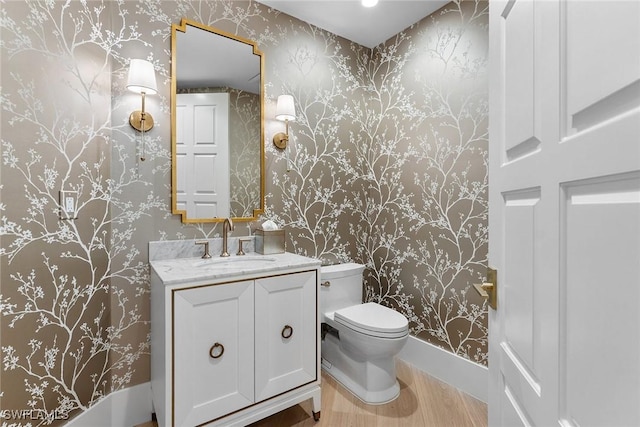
(424, 401)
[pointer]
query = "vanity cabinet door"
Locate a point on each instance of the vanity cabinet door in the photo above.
(213, 352)
(286, 328)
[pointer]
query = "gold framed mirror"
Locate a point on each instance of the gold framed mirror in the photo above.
(217, 125)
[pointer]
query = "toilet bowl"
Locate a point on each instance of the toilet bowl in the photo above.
(359, 340)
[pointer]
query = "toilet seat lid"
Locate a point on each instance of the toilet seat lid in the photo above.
(373, 319)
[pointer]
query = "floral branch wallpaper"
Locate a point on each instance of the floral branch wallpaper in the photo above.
(387, 167)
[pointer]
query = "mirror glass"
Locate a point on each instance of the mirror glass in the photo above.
(217, 125)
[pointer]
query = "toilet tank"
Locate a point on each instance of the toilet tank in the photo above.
(341, 286)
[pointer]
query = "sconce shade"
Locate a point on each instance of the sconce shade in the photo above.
(285, 109)
(142, 80)
(369, 3)
(142, 77)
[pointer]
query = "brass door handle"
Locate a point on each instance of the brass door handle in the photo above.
(483, 288)
(287, 331)
(212, 350)
(488, 290)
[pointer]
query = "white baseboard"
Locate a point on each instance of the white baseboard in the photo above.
(123, 408)
(454, 370)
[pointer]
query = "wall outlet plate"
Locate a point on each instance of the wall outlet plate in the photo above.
(68, 204)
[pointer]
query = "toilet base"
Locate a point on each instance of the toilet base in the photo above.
(373, 382)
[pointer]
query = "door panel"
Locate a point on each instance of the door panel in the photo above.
(202, 154)
(519, 299)
(564, 216)
(210, 387)
(591, 50)
(513, 414)
(601, 352)
(285, 363)
(520, 81)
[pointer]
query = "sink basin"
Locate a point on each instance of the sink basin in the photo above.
(233, 261)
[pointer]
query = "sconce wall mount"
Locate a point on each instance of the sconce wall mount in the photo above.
(281, 139)
(141, 120)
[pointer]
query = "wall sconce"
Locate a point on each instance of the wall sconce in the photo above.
(285, 110)
(142, 80)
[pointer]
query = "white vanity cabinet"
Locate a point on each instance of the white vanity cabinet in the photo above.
(233, 348)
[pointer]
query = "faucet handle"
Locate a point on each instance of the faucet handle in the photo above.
(206, 248)
(240, 242)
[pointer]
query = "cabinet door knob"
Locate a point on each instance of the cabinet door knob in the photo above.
(287, 331)
(212, 350)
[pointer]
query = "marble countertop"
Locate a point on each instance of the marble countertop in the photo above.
(179, 270)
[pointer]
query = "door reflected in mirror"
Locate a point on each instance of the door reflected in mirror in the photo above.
(217, 125)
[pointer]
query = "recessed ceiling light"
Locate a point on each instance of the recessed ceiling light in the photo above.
(369, 3)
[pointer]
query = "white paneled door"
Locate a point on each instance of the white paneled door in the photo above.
(564, 342)
(202, 154)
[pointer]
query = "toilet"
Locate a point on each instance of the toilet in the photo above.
(359, 341)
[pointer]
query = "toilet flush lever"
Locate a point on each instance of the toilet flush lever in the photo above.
(326, 284)
(489, 289)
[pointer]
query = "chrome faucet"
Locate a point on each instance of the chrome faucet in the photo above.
(227, 226)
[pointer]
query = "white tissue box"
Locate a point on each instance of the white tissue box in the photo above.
(269, 242)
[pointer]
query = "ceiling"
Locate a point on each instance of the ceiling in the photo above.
(348, 18)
